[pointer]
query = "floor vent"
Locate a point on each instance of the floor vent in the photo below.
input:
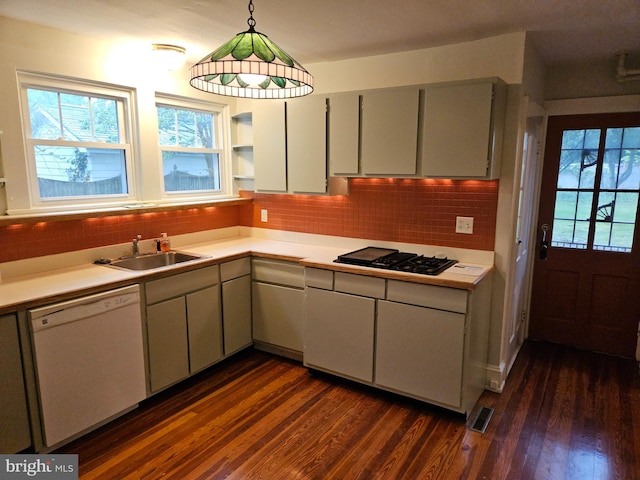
(482, 420)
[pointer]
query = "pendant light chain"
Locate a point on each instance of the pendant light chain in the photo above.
(251, 22)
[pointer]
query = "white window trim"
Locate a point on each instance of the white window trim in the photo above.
(77, 204)
(223, 135)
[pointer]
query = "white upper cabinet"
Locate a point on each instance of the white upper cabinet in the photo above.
(269, 146)
(390, 132)
(463, 129)
(344, 134)
(307, 144)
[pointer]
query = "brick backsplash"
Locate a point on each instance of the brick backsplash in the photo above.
(404, 210)
(421, 211)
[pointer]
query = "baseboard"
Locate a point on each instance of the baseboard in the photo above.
(495, 378)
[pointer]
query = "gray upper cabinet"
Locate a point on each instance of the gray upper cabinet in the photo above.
(307, 144)
(290, 147)
(463, 130)
(269, 146)
(452, 130)
(389, 142)
(344, 134)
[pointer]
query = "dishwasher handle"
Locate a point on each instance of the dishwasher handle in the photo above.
(50, 317)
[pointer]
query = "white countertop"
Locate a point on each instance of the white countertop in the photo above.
(49, 286)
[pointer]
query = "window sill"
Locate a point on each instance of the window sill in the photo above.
(115, 211)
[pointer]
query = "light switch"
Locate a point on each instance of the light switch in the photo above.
(464, 225)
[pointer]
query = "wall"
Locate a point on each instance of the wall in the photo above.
(587, 79)
(501, 56)
(120, 62)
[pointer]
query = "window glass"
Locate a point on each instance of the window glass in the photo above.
(616, 166)
(191, 156)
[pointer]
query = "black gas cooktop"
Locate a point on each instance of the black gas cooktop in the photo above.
(392, 259)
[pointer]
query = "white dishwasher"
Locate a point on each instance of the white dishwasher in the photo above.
(89, 361)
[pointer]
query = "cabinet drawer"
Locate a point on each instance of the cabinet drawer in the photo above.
(316, 277)
(442, 298)
(235, 269)
(359, 285)
(279, 272)
(181, 284)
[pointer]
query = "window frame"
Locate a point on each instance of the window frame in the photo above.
(223, 148)
(594, 193)
(125, 101)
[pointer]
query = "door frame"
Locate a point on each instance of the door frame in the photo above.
(509, 349)
(580, 106)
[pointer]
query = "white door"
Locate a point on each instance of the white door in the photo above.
(524, 240)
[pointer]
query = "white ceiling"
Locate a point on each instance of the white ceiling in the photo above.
(325, 30)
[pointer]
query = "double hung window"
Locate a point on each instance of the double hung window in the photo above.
(190, 142)
(78, 143)
(81, 152)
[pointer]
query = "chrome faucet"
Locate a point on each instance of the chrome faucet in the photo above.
(136, 250)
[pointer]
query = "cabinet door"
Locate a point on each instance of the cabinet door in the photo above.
(339, 333)
(204, 328)
(457, 130)
(167, 338)
(307, 144)
(419, 351)
(236, 308)
(278, 314)
(269, 146)
(14, 417)
(390, 132)
(344, 134)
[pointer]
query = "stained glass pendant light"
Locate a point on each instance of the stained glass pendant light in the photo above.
(250, 65)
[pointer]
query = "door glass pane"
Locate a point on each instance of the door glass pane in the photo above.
(621, 169)
(615, 221)
(571, 219)
(578, 158)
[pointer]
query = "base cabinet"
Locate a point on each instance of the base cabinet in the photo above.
(236, 305)
(339, 333)
(277, 315)
(278, 306)
(167, 339)
(184, 325)
(423, 341)
(15, 434)
(419, 351)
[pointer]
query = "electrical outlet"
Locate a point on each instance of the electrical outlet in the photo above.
(264, 217)
(464, 225)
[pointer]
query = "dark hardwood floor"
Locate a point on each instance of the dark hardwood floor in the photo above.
(564, 414)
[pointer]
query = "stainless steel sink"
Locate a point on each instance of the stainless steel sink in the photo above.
(154, 260)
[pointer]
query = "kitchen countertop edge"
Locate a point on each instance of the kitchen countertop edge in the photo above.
(45, 288)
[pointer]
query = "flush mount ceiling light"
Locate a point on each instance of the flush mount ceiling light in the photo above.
(169, 57)
(251, 66)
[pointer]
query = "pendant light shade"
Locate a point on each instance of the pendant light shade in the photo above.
(250, 65)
